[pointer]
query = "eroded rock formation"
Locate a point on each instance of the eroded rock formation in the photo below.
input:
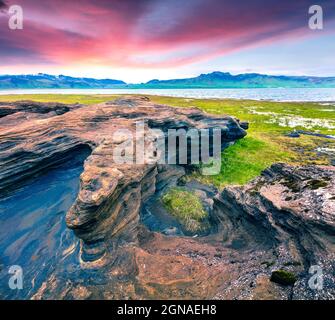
(106, 212)
(262, 227)
(283, 220)
(291, 210)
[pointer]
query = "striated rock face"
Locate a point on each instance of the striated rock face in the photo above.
(288, 204)
(263, 227)
(106, 212)
(33, 107)
(289, 209)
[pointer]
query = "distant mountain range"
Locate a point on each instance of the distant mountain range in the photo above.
(46, 81)
(211, 80)
(247, 80)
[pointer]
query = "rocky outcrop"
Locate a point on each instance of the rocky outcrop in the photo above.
(264, 232)
(14, 114)
(288, 204)
(290, 210)
(106, 212)
(277, 226)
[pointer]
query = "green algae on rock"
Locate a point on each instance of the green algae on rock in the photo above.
(187, 208)
(283, 277)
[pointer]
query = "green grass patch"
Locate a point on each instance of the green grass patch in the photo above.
(61, 98)
(243, 161)
(187, 208)
(266, 142)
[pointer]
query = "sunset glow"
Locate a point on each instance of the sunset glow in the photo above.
(139, 40)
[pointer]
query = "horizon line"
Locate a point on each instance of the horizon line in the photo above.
(181, 78)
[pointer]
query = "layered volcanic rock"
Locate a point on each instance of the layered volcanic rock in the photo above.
(282, 221)
(106, 212)
(33, 107)
(289, 209)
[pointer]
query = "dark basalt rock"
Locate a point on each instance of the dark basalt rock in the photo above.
(293, 134)
(298, 133)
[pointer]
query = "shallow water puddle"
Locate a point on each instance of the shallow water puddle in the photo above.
(33, 232)
(308, 123)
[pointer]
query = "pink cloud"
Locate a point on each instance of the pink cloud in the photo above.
(147, 33)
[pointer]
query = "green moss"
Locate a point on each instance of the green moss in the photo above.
(283, 277)
(187, 208)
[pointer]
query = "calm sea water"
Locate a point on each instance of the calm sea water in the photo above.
(277, 94)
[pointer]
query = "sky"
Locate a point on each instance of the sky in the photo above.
(140, 40)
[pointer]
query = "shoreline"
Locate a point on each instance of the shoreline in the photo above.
(285, 95)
